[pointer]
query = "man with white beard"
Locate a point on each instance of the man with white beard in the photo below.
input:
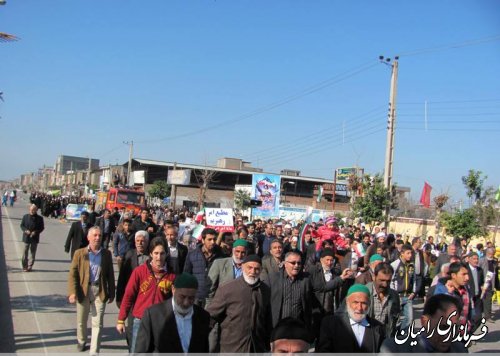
(354, 330)
(176, 325)
(242, 308)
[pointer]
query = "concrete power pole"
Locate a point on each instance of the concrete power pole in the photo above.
(391, 125)
(129, 168)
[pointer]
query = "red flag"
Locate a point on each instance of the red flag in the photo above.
(425, 198)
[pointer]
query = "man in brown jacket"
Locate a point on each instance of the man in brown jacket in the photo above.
(91, 283)
(369, 275)
(242, 307)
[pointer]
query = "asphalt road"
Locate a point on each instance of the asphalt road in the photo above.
(40, 318)
(35, 316)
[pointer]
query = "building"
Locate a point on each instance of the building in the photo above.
(220, 182)
(71, 163)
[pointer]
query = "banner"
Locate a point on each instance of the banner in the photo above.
(266, 188)
(344, 173)
(219, 219)
(308, 215)
(179, 177)
(74, 211)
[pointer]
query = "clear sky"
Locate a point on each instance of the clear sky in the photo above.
(283, 84)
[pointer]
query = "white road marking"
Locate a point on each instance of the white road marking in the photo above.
(19, 254)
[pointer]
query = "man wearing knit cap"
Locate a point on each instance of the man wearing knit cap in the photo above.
(368, 276)
(222, 271)
(177, 325)
(353, 330)
(242, 307)
(290, 336)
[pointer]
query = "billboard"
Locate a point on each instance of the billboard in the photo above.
(266, 188)
(344, 173)
(179, 177)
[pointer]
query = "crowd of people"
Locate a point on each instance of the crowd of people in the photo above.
(269, 285)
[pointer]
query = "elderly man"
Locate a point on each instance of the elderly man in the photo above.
(271, 263)
(325, 279)
(437, 310)
(242, 307)
(475, 286)
(176, 325)
(290, 336)
(368, 275)
(291, 292)
(222, 271)
(32, 226)
(91, 283)
(354, 330)
(176, 252)
(445, 257)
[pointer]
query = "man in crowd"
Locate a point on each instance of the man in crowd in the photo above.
(271, 263)
(384, 302)
(290, 336)
(475, 285)
(107, 226)
(176, 325)
(368, 275)
(419, 264)
(91, 283)
(176, 252)
(353, 330)
(457, 286)
(489, 264)
(403, 282)
(121, 242)
(437, 309)
(265, 240)
(144, 222)
(445, 256)
(77, 235)
(291, 293)
(32, 226)
(199, 261)
(242, 307)
(325, 278)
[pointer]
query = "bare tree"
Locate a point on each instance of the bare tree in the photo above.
(204, 178)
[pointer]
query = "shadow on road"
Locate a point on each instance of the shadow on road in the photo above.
(7, 334)
(41, 303)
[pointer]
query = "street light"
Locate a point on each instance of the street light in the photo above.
(284, 189)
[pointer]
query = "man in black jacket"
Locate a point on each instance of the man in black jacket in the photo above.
(163, 326)
(108, 227)
(291, 292)
(325, 278)
(77, 235)
(31, 225)
(354, 330)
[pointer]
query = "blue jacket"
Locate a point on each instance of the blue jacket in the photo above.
(197, 265)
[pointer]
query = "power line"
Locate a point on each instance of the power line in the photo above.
(451, 46)
(313, 89)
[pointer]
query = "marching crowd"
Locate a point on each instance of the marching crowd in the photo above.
(267, 286)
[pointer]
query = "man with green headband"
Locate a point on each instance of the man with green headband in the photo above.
(353, 330)
(222, 271)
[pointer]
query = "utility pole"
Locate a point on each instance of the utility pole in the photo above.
(88, 175)
(129, 169)
(391, 124)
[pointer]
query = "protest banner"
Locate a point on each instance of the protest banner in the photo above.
(74, 211)
(266, 188)
(220, 219)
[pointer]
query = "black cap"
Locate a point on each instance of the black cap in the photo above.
(327, 252)
(252, 258)
(292, 329)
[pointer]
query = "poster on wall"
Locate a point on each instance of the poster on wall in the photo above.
(266, 188)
